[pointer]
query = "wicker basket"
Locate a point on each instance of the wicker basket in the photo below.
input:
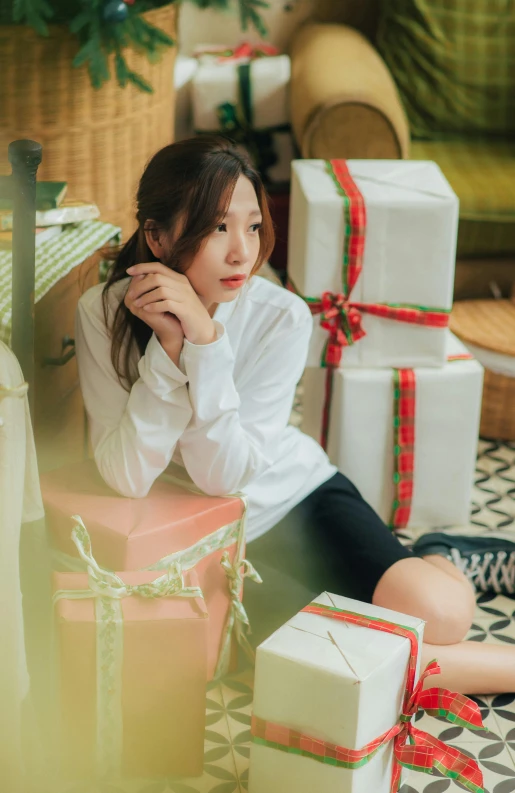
(486, 327)
(96, 140)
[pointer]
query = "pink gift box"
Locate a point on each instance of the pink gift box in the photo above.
(135, 533)
(163, 680)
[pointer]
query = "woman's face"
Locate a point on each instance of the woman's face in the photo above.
(230, 250)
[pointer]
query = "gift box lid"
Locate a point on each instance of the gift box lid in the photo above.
(396, 182)
(130, 533)
(341, 649)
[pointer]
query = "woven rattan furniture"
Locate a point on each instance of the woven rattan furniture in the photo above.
(96, 140)
(487, 327)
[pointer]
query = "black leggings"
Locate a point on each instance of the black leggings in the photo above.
(332, 541)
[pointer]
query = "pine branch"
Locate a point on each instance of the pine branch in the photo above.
(33, 13)
(247, 11)
(249, 15)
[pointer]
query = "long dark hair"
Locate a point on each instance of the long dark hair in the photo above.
(192, 180)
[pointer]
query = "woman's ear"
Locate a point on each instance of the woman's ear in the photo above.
(155, 237)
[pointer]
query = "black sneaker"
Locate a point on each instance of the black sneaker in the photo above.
(488, 560)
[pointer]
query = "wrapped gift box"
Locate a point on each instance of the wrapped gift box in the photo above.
(156, 715)
(218, 83)
(335, 682)
(408, 258)
(361, 434)
(136, 534)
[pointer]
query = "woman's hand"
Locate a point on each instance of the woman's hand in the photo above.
(161, 291)
(167, 328)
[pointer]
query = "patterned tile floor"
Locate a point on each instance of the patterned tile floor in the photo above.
(229, 703)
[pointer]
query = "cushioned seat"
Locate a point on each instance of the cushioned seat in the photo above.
(482, 173)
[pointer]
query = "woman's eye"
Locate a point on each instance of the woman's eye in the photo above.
(256, 226)
(221, 227)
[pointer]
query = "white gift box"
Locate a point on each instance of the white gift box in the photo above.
(409, 256)
(216, 83)
(346, 688)
(361, 434)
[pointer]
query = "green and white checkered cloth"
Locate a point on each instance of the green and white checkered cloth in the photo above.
(453, 62)
(54, 259)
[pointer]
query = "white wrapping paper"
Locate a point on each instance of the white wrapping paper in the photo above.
(348, 690)
(360, 438)
(216, 83)
(409, 257)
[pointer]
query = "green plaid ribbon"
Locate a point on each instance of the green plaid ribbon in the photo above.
(55, 258)
(412, 748)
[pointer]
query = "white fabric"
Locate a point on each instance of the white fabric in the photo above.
(20, 501)
(409, 255)
(496, 362)
(223, 415)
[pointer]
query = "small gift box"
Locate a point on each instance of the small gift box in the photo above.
(132, 650)
(407, 438)
(335, 691)
(244, 93)
(170, 525)
(371, 249)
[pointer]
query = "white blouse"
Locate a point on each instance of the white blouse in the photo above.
(222, 414)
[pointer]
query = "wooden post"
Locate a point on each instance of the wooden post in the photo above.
(24, 156)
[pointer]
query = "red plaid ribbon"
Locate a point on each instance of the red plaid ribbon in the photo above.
(412, 748)
(341, 317)
(404, 402)
(245, 50)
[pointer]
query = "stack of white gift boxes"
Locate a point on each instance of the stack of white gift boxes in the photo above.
(372, 247)
(395, 399)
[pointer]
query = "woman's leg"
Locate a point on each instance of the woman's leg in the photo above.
(432, 588)
(335, 541)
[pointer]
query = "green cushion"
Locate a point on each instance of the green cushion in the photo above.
(454, 64)
(482, 174)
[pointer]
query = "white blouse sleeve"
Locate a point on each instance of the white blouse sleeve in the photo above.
(231, 438)
(134, 434)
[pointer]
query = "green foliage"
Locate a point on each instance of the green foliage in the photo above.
(99, 39)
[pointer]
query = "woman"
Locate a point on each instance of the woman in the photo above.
(187, 358)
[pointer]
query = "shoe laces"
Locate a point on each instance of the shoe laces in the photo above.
(488, 571)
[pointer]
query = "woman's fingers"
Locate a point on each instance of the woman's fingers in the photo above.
(150, 283)
(155, 267)
(161, 307)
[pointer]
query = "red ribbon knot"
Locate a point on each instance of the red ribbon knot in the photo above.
(343, 321)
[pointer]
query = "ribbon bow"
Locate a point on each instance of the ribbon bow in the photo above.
(245, 50)
(413, 748)
(106, 584)
(343, 321)
(420, 751)
(238, 621)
